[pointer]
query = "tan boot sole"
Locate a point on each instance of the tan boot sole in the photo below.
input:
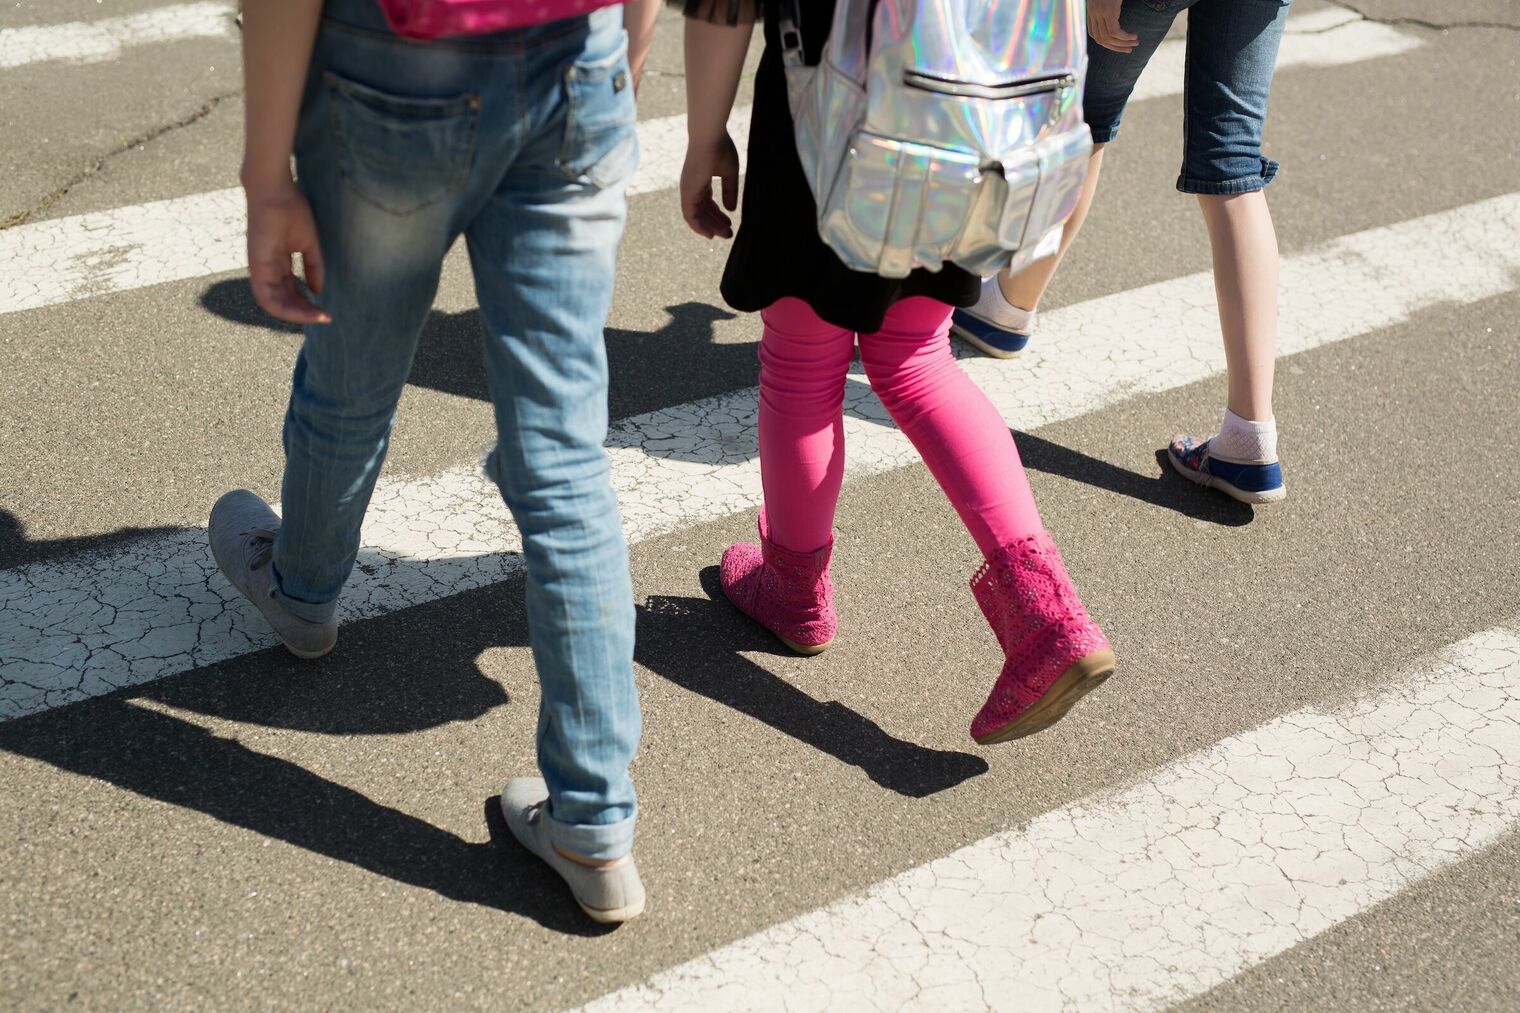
(1086, 675)
(807, 650)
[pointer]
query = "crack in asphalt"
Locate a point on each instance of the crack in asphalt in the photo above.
(1436, 26)
(25, 214)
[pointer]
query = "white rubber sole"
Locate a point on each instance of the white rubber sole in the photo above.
(982, 346)
(615, 916)
(1215, 482)
(307, 655)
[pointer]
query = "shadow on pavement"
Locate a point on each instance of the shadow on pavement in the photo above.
(680, 362)
(1167, 490)
(404, 672)
(695, 643)
(16, 549)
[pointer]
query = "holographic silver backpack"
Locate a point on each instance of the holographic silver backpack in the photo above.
(942, 131)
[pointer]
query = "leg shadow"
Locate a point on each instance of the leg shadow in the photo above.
(450, 358)
(694, 643)
(124, 740)
(680, 362)
(16, 549)
(404, 672)
(1167, 490)
(677, 363)
(164, 758)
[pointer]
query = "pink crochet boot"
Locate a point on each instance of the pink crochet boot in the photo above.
(1055, 652)
(789, 593)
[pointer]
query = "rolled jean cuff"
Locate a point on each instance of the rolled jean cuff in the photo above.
(312, 612)
(1229, 187)
(1102, 135)
(601, 841)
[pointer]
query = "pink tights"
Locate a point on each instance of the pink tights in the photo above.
(961, 436)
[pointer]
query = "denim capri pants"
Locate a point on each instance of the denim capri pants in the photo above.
(1231, 50)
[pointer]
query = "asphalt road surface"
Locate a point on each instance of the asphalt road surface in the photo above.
(1301, 791)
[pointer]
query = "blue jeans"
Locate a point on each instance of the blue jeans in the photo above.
(522, 142)
(1231, 50)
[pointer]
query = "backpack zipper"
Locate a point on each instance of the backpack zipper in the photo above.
(1006, 90)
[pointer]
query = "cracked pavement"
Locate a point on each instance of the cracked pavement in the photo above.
(69, 631)
(205, 821)
(1132, 899)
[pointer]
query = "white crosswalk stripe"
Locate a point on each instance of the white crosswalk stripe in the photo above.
(1143, 897)
(78, 628)
(95, 41)
(1329, 37)
(189, 237)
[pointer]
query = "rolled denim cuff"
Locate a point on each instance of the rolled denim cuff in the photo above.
(1243, 184)
(312, 612)
(602, 841)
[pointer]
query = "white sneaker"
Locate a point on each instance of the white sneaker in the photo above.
(242, 531)
(609, 894)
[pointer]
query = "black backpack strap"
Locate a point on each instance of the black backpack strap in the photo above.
(790, 27)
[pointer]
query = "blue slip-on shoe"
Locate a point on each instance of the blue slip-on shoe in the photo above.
(986, 336)
(1248, 482)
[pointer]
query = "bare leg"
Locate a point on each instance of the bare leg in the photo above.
(1025, 289)
(1244, 247)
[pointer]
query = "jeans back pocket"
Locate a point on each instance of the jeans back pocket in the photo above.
(397, 152)
(601, 142)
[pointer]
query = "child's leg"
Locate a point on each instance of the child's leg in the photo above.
(803, 363)
(1231, 51)
(384, 236)
(1110, 79)
(962, 438)
(1244, 246)
(783, 582)
(1054, 653)
(543, 251)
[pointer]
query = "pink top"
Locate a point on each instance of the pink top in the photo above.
(431, 19)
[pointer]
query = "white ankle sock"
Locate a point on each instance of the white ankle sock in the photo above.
(994, 306)
(1244, 440)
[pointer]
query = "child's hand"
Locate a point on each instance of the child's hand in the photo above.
(279, 225)
(703, 162)
(1103, 25)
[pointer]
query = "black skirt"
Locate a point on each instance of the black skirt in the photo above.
(777, 251)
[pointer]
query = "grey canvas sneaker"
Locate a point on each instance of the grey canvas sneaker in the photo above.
(242, 533)
(609, 894)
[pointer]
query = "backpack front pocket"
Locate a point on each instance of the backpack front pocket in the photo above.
(397, 152)
(898, 205)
